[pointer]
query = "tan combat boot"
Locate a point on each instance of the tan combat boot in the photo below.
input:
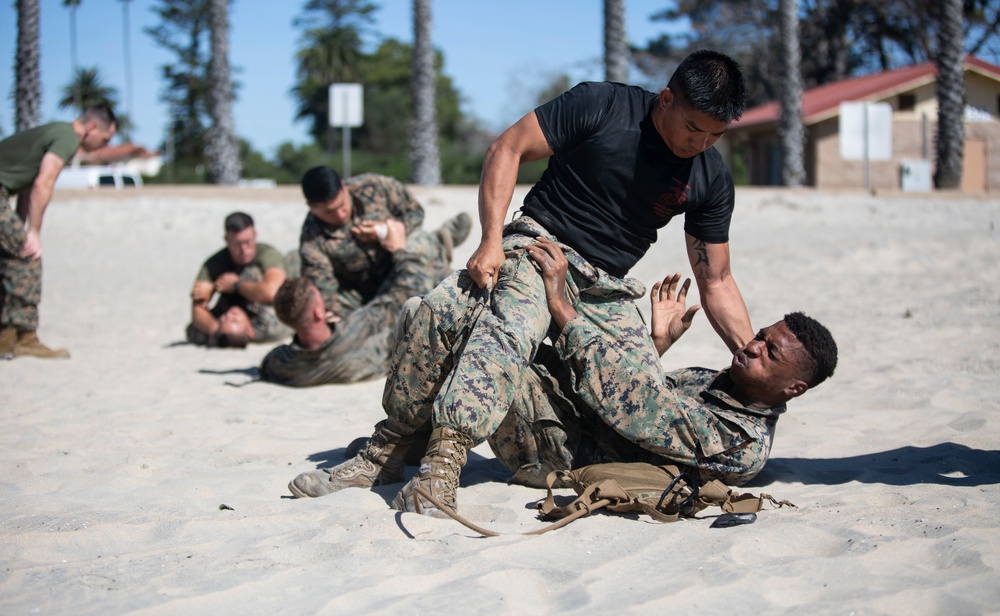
(453, 232)
(8, 336)
(28, 344)
(439, 474)
(380, 462)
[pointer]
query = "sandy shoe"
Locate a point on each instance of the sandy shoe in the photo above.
(453, 232)
(29, 345)
(379, 462)
(438, 476)
(8, 336)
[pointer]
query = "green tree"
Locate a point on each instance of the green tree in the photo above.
(183, 29)
(330, 52)
(86, 89)
(27, 72)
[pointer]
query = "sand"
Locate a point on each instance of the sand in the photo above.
(141, 477)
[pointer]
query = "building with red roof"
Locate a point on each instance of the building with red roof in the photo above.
(911, 94)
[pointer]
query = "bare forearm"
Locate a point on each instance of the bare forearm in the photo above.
(202, 319)
(261, 292)
(726, 311)
(496, 189)
(31, 205)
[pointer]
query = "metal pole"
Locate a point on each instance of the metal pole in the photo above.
(868, 180)
(347, 137)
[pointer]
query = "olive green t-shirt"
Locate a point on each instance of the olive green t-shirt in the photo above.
(21, 153)
(222, 262)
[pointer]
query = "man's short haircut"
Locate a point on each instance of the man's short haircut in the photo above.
(712, 83)
(819, 344)
(291, 302)
(101, 112)
(237, 221)
(320, 184)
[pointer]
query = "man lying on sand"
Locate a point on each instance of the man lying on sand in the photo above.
(245, 275)
(585, 400)
(357, 346)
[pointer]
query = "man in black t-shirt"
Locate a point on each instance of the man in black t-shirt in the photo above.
(622, 163)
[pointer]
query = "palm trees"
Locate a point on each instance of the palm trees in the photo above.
(85, 90)
(790, 128)
(950, 95)
(424, 156)
(222, 149)
(615, 47)
(28, 84)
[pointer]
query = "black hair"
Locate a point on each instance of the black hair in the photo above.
(819, 344)
(320, 184)
(712, 83)
(234, 341)
(237, 221)
(101, 112)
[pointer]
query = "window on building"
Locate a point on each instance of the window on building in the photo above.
(907, 102)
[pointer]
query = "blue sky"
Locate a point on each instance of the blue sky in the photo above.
(498, 55)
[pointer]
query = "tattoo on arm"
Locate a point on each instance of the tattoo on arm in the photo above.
(701, 257)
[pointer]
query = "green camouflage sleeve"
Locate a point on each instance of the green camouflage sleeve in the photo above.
(316, 267)
(402, 205)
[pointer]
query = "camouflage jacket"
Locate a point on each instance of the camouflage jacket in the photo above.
(688, 417)
(348, 274)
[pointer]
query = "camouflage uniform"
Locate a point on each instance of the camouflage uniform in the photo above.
(20, 278)
(463, 359)
(349, 274)
(586, 402)
(361, 343)
(266, 326)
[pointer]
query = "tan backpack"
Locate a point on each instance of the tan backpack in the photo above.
(662, 492)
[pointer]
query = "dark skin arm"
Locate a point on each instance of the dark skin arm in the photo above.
(670, 316)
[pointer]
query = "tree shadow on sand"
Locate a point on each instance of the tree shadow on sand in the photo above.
(944, 464)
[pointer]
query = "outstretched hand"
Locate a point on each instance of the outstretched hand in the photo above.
(670, 318)
(552, 261)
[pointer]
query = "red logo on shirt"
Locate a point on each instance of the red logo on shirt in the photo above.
(668, 203)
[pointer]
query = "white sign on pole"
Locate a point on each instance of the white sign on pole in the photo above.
(346, 104)
(865, 131)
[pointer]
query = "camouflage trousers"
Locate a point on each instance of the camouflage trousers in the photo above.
(266, 326)
(20, 278)
(361, 344)
(548, 428)
(462, 354)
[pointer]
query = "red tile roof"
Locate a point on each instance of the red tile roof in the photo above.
(823, 102)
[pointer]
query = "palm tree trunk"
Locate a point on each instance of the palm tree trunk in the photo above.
(28, 84)
(424, 156)
(222, 150)
(127, 55)
(790, 127)
(615, 46)
(950, 95)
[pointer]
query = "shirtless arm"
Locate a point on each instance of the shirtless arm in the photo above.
(523, 142)
(31, 203)
(720, 297)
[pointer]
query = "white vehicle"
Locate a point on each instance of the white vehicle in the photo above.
(98, 177)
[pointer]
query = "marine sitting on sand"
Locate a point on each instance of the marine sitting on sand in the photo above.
(357, 347)
(245, 275)
(598, 403)
(340, 245)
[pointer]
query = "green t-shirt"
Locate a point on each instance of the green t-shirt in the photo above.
(222, 262)
(21, 153)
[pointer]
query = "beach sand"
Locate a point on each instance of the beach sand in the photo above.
(147, 476)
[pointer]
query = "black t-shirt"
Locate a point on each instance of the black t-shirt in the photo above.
(613, 182)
